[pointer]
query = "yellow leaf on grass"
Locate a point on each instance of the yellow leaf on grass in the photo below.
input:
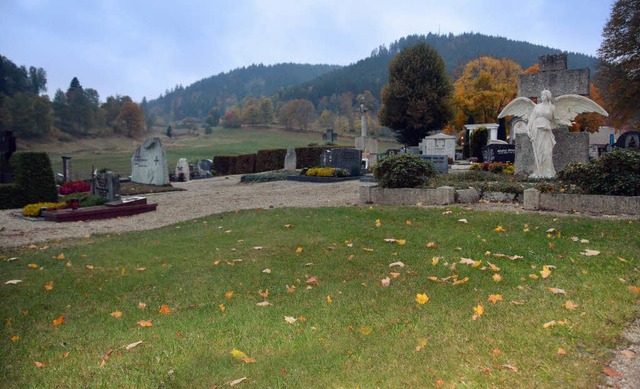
(534, 276)
(590, 253)
(116, 314)
(434, 261)
(133, 345)
(499, 229)
(422, 342)
(496, 352)
(431, 245)
(39, 365)
(545, 272)
(401, 242)
(60, 256)
(494, 298)
(222, 307)
(479, 310)
(408, 222)
(229, 294)
(497, 277)
(299, 250)
(462, 281)
(557, 291)
(238, 381)
(291, 289)
(433, 278)
(264, 294)
(48, 286)
(32, 266)
(367, 249)
(15, 338)
(561, 351)
(164, 309)
(394, 275)
(142, 306)
(570, 305)
(550, 324)
(493, 267)
(58, 320)
(90, 267)
(329, 301)
(238, 355)
(422, 298)
(145, 323)
(378, 223)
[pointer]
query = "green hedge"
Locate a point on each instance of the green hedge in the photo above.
(309, 156)
(33, 175)
(222, 165)
(10, 196)
(245, 164)
(270, 159)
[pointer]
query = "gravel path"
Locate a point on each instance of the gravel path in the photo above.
(222, 194)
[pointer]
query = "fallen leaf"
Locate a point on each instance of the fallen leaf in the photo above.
(264, 294)
(493, 267)
(299, 250)
(366, 330)
(329, 301)
(39, 365)
(312, 281)
(447, 212)
(65, 355)
(628, 354)
(13, 282)
(116, 314)
(267, 271)
(422, 298)
(463, 221)
(534, 276)
(291, 289)
(378, 223)
(394, 275)
(132, 345)
(145, 323)
(142, 306)
(479, 310)
(238, 381)
(467, 261)
(434, 278)
(90, 267)
(422, 342)
(141, 269)
(557, 291)
(550, 324)
(367, 249)
(590, 253)
(58, 320)
(551, 230)
(562, 351)
(494, 298)
(496, 352)
(60, 256)
(15, 338)
(385, 281)
(229, 294)
(634, 289)
(238, 355)
(434, 261)
(401, 242)
(290, 319)
(164, 310)
(408, 222)
(499, 229)
(570, 305)
(545, 272)
(510, 367)
(264, 304)
(249, 360)
(396, 264)
(32, 266)
(431, 245)
(389, 240)
(584, 241)
(497, 277)
(611, 372)
(221, 307)
(258, 247)
(462, 281)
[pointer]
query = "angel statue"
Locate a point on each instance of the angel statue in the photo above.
(543, 117)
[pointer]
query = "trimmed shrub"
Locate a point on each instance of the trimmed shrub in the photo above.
(10, 196)
(33, 174)
(265, 177)
(33, 210)
(222, 165)
(246, 163)
(615, 173)
(85, 199)
(270, 159)
(403, 171)
(479, 139)
(74, 187)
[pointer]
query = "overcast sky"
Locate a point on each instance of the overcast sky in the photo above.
(144, 47)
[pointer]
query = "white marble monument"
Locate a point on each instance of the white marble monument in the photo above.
(149, 163)
(439, 144)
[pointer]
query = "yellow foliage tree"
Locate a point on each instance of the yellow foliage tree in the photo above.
(485, 87)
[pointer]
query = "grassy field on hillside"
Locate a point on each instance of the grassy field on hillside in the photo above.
(365, 297)
(115, 153)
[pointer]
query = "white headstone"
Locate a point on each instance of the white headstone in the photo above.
(290, 159)
(149, 164)
(182, 170)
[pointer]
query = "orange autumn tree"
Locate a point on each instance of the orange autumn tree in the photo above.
(485, 87)
(590, 122)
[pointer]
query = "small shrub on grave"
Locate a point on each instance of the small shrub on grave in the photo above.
(73, 187)
(85, 199)
(265, 177)
(615, 173)
(33, 210)
(403, 171)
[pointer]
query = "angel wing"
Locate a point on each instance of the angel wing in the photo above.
(569, 106)
(520, 106)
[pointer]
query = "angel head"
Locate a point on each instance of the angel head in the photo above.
(546, 95)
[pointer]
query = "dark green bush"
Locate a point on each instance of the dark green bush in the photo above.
(222, 164)
(32, 173)
(10, 196)
(85, 199)
(615, 173)
(270, 159)
(479, 139)
(265, 177)
(403, 171)
(245, 164)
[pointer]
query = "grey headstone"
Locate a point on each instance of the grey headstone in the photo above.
(149, 164)
(570, 147)
(343, 158)
(290, 159)
(440, 162)
(106, 185)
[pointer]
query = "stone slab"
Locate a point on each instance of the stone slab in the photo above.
(570, 147)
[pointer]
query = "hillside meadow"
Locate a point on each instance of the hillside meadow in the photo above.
(114, 152)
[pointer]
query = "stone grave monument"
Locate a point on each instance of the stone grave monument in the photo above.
(183, 173)
(329, 136)
(439, 144)
(204, 168)
(367, 144)
(629, 140)
(290, 162)
(106, 185)
(343, 158)
(553, 146)
(149, 164)
(7, 148)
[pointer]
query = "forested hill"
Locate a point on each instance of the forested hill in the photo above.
(197, 99)
(318, 82)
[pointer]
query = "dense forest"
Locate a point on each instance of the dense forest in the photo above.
(369, 74)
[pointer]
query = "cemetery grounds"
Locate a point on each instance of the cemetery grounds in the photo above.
(364, 296)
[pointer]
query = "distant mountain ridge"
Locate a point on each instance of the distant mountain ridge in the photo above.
(317, 82)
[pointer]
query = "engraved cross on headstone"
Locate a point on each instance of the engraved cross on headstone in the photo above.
(156, 160)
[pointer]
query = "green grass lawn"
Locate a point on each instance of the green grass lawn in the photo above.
(349, 329)
(115, 154)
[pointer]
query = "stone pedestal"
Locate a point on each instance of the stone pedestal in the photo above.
(570, 147)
